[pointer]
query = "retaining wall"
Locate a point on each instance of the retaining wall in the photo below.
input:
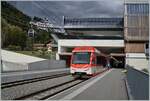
(38, 65)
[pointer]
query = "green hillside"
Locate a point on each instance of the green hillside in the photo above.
(13, 16)
(14, 28)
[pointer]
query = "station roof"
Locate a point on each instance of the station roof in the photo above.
(102, 22)
(61, 36)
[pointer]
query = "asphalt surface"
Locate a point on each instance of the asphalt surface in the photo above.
(107, 86)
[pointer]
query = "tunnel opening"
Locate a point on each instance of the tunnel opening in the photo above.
(66, 58)
(117, 61)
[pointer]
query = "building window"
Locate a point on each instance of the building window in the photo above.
(137, 8)
(147, 49)
(94, 21)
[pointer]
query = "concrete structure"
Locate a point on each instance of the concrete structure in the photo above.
(116, 36)
(137, 60)
(103, 26)
(107, 86)
(12, 61)
(63, 45)
(106, 34)
(136, 33)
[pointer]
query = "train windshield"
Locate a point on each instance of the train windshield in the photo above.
(81, 58)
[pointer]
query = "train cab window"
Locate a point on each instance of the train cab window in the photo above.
(81, 58)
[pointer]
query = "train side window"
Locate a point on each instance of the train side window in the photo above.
(101, 60)
(98, 60)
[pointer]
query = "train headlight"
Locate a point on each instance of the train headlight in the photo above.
(72, 70)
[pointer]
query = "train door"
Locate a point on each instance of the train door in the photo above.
(101, 60)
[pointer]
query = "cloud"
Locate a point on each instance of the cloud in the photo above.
(54, 10)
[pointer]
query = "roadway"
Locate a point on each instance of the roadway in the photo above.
(107, 86)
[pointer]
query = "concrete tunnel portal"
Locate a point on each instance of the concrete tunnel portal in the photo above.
(117, 57)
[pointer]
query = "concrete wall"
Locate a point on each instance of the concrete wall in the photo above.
(47, 64)
(12, 61)
(13, 66)
(95, 43)
(18, 58)
(100, 43)
(137, 60)
(71, 43)
(39, 65)
(97, 33)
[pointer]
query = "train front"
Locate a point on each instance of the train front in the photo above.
(81, 61)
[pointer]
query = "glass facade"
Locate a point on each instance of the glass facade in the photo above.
(93, 21)
(137, 8)
(137, 21)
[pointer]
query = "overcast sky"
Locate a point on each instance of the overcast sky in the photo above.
(54, 10)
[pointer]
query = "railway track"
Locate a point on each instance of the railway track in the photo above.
(51, 91)
(21, 82)
(38, 88)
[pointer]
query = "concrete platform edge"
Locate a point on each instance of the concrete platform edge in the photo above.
(128, 90)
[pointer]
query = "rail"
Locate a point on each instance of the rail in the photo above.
(39, 88)
(21, 82)
(49, 92)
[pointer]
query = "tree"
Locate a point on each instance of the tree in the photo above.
(12, 35)
(4, 33)
(37, 18)
(29, 44)
(17, 37)
(13, 16)
(42, 36)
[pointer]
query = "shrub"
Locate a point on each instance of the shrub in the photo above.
(14, 47)
(145, 70)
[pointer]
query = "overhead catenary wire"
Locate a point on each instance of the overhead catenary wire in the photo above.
(43, 9)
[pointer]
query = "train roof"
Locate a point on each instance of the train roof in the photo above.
(85, 49)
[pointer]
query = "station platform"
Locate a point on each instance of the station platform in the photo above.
(109, 85)
(23, 75)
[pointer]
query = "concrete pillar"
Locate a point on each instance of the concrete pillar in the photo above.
(57, 56)
(137, 60)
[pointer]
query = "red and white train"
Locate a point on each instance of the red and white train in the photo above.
(88, 61)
